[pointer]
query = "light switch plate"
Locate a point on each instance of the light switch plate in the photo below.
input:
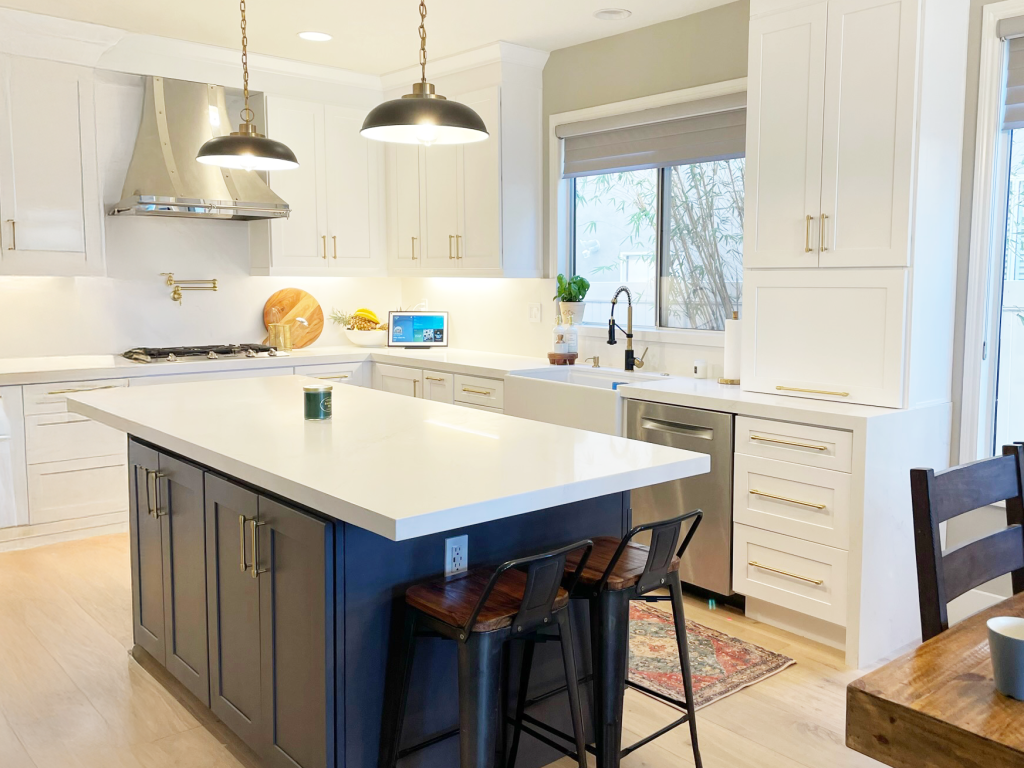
(535, 313)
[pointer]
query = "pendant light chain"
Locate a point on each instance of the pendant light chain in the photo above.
(247, 114)
(423, 39)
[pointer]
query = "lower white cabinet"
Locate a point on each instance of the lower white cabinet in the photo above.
(457, 389)
(796, 574)
(75, 488)
(397, 379)
(475, 390)
(354, 374)
(65, 436)
(832, 334)
(439, 387)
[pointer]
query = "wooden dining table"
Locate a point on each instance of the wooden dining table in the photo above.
(938, 706)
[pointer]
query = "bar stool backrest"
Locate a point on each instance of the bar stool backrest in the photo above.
(543, 580)
(664, 535)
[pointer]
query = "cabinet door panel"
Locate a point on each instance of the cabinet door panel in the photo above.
(296, 594)
(439, 387)
(440, 167)
(397, 379)
(480, 208)
(837, 331)
(403, 166)
(297, 241)
(181, 510)
(784, 133)
(234, 610)
(868, 138)
(348, 168)
(146, 551)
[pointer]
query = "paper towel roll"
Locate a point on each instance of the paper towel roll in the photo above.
(733, 339)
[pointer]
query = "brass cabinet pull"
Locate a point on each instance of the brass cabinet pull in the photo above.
(256, 570)
(149, 499)
(414, 249)
(824, 218)
(14, 236)
(786, 498)
(813, 391)
(157, 477)
(817, 582)
(451, 239)
(332, 378)
(433, 378)
(789, 442)
(476, 391)
(807, 234)
(324, 237)
(85, 389)
(153, 501)
(458, 246)
(335, 239)
(244, 566)
(414, 383)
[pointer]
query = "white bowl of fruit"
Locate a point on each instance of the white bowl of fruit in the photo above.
(362, 327)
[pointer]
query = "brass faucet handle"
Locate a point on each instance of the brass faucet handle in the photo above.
(596, 359)
(639, 362)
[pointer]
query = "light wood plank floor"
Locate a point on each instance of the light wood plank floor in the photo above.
(72, 697)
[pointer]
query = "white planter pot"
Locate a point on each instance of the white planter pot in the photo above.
(574, 308)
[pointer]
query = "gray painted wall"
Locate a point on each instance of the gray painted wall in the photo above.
(698, 49)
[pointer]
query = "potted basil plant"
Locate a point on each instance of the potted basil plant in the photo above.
(569, 295)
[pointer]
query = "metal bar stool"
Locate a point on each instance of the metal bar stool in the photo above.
(483, 610)
(615, 573)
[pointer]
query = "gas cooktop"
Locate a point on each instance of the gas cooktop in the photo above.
(208, 352)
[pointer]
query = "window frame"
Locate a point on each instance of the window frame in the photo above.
(561, 227)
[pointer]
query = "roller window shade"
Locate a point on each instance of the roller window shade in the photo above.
(720, 135)
(1013, 109)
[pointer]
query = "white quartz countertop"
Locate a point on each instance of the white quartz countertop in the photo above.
(401, 467)
(46, 370)
(709, 394)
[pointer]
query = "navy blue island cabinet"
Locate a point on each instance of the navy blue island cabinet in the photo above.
(279, 618)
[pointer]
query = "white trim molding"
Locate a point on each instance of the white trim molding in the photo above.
(494, 53)
(987, 230)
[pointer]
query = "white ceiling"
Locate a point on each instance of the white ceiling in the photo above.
(370, 36)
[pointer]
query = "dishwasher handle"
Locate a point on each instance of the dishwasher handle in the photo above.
(677, 428)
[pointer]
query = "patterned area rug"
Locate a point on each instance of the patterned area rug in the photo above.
(720, 664)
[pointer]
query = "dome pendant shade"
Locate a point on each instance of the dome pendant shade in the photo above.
(247, 150)
(422, 117)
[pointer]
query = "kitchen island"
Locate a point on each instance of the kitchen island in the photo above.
(269, 553)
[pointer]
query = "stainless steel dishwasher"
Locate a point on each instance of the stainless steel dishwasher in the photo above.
(708, 561)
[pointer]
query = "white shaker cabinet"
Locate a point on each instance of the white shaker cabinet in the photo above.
(335, 195)
(50, 210)
(438, 386)
(831, 106)
(478, 242)
(398, 379)
(440, 206)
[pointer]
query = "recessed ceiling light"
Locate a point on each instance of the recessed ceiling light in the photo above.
(316, 37)
(612, 14)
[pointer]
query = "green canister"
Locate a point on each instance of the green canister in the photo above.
(317, 399)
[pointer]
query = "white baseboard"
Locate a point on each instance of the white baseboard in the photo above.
(28, 536)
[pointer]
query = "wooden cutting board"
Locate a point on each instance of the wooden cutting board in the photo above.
(291, 305)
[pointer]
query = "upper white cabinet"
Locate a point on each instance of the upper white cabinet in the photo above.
(444, 202)
(831, 107)
(335, 226)
(50, 211)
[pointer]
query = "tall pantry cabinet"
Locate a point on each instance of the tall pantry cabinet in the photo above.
(854, 129)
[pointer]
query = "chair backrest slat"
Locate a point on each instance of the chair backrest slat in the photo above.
(942, 496)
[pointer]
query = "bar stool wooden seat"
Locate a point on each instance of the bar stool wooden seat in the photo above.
(483, 610)
(617, 572)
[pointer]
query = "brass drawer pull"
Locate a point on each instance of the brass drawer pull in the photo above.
(451, 239)
(458, 246)
(335, 239)
(786, 498)
(812, 391)
(14, 236)
(433, 378)
(476, 391)
(244, 566)
(325, 245)
(824, 218)
(789, 442)
(149, 498)
(256, 570)
(153, 502)
(333, 378)
(807, 234)
(816, 582)
(414, 249)
(86, 389)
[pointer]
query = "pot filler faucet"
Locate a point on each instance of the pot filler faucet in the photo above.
(631, 361)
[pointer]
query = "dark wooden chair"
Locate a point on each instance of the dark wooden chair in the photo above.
(941, 496)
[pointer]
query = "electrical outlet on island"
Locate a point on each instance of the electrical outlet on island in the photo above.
(456, 555)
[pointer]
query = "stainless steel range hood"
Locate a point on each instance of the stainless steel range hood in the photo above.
(164, 179)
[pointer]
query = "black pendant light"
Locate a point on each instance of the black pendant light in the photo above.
(245, 148)
(424, 117)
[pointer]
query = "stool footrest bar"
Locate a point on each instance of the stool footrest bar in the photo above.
(437, 739)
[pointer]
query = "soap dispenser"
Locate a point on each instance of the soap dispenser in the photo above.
(572, 337)
(560, 338)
